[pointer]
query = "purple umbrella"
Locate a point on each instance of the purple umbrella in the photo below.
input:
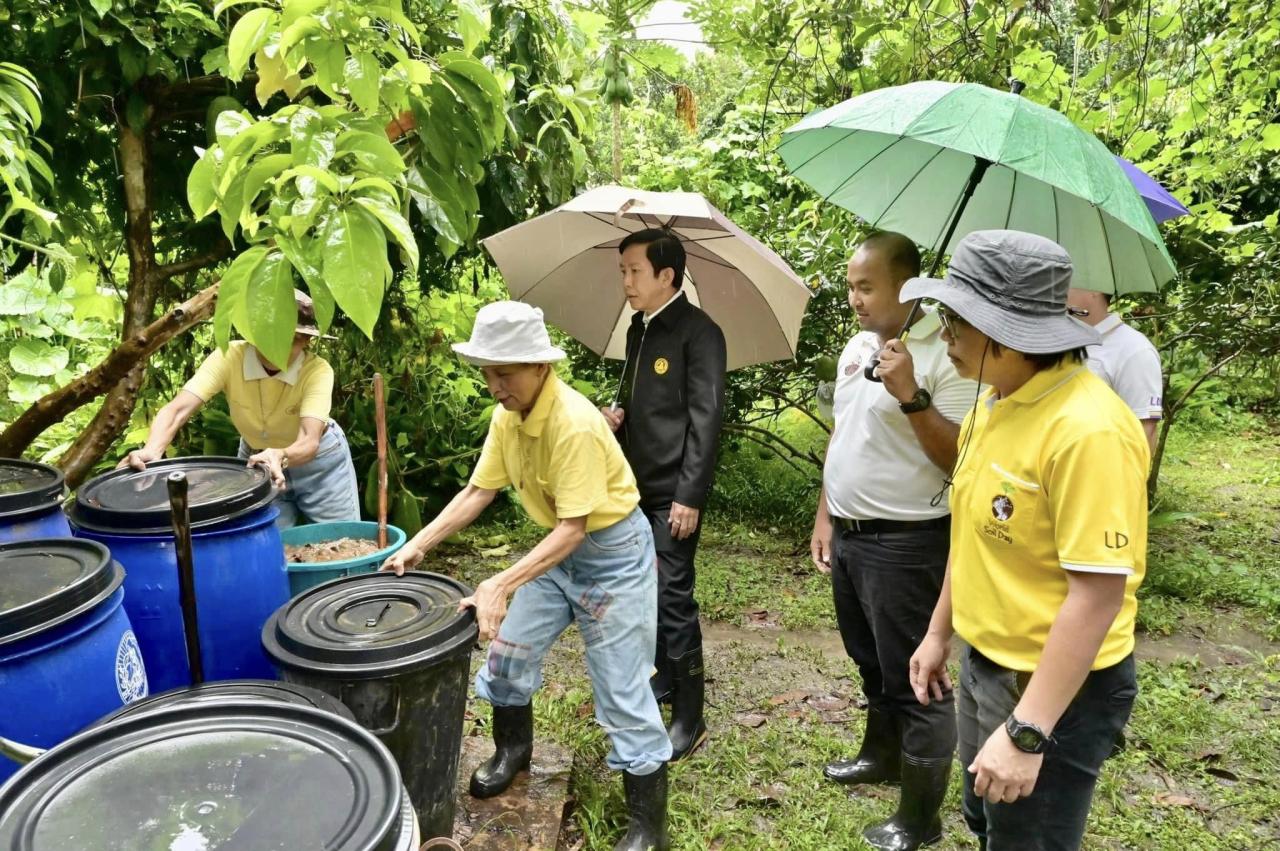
(1162, 205)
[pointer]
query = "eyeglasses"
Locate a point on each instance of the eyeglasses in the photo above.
(951, 321)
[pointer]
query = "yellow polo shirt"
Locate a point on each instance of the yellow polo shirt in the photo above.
(1053, 479)
(266, 410)
(562, 460)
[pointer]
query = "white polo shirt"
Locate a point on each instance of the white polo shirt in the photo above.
(1130, 365)
(875, 467)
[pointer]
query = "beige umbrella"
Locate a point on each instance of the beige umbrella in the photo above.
(566, 262)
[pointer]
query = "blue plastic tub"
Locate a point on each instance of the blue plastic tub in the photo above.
(240, 577)
(67, 652)
(304, 575)
(30, 501)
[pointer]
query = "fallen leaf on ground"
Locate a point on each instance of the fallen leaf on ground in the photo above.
(788, 697)
(1179, 799)
(586, 710)
(827, 702)
(496, 552)
(751, 719)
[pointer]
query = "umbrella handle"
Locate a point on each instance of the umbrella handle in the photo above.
(869, 371)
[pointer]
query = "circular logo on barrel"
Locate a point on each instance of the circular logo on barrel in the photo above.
(131, 676)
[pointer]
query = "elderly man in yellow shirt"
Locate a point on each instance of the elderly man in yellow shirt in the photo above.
(282, 415)
(596, 566)
(1048, 547)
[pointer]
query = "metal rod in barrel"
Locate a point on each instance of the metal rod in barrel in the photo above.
(180, 512)
(380, 417)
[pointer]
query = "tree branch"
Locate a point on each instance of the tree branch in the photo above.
(192, 264)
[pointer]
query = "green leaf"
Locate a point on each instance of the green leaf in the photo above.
(301, 256)
(478, 87)
(223, 5)
(322, 300)
(353, 246)
(101, 7)
(395, 224)
(202, 196)
(1271, 137)
(261, 172)
(249, 33)
(372, 151)
(25, 390)
(473, 23)
(231, 293)
(327, 57)
(271, 311)
(363, 75)
(37, 358)
(436, 204)
(310, 142)
(308, 172)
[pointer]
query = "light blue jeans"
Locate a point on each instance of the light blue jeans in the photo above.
(609, 587)
(324, 489)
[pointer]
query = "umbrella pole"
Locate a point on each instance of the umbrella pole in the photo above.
(380, 417)
(181, 517)
(980, 166)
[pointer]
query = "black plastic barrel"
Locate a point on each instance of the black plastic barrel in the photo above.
(397, 652)
(30, 501)
(236, 691)
(263, 776)
(240, 571)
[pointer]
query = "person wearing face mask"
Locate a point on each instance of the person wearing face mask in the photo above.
(668, 418)
(282, 415)
(1048, 547)
(881, 531)
(594, 567)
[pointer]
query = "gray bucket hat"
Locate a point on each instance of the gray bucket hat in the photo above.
(307, 317)
(1011, 286)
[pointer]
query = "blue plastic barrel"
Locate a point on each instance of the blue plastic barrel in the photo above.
(308, 574)
(240, 576)
(67, 653)
(30, 501)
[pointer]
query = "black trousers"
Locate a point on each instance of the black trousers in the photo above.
(1053, 816)
(885, 587)
(678, 629)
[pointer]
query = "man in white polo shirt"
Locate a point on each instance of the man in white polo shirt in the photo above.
(882, 531)
(1126, 360)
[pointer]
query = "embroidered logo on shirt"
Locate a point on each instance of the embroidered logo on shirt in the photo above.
(1002, 508)
(661, 366)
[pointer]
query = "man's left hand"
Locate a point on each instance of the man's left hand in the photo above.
(271, 460)
(897, 371)
(490, 604)
(683, 521)
(1003, 772)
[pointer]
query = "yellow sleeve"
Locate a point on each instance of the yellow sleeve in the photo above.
(317, 391)
(1098, 500)
(211, 378)
(491, 471)
(578, 478)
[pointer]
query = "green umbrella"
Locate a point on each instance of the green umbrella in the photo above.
(936, 161)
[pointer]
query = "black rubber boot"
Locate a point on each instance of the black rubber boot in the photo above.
(878, 758)
(660, 682)
(687, 731)
(916, 823)
(647, 807)
(513, 736)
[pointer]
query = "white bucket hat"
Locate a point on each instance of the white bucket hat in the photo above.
(508, 332)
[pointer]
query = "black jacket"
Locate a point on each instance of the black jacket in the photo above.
(673, 394)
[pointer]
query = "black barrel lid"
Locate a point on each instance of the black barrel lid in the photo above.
(133, 501)
(372, 625)
(233, 776)
(45, 582)
(235, 691)
(25, 485)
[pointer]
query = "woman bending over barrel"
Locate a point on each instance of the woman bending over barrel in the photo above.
(282, 415)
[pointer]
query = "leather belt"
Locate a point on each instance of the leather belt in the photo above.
(870, 527)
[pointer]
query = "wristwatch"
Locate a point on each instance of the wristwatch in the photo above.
(1027, 737)
(918, 402)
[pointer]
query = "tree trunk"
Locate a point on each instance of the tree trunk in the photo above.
(140, 302)
(617, 142)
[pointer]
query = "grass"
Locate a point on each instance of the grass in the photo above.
(1203, 749)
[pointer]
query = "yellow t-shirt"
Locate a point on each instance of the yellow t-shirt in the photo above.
(266, 410)
(1053, 479)
(562, 460)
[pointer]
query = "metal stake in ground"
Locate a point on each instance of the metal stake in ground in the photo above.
(180, 512)
(380, 416)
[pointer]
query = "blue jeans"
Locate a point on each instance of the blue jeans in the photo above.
(324, 489)
(609, 587)
(1053, 816)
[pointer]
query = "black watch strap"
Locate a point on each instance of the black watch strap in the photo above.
(1027, 737)
(918, 402)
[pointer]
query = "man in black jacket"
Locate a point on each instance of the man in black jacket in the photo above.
(668, 418)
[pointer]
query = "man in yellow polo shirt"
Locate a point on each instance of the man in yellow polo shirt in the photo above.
(1048, 547)
(596, 566)
(282, 416)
